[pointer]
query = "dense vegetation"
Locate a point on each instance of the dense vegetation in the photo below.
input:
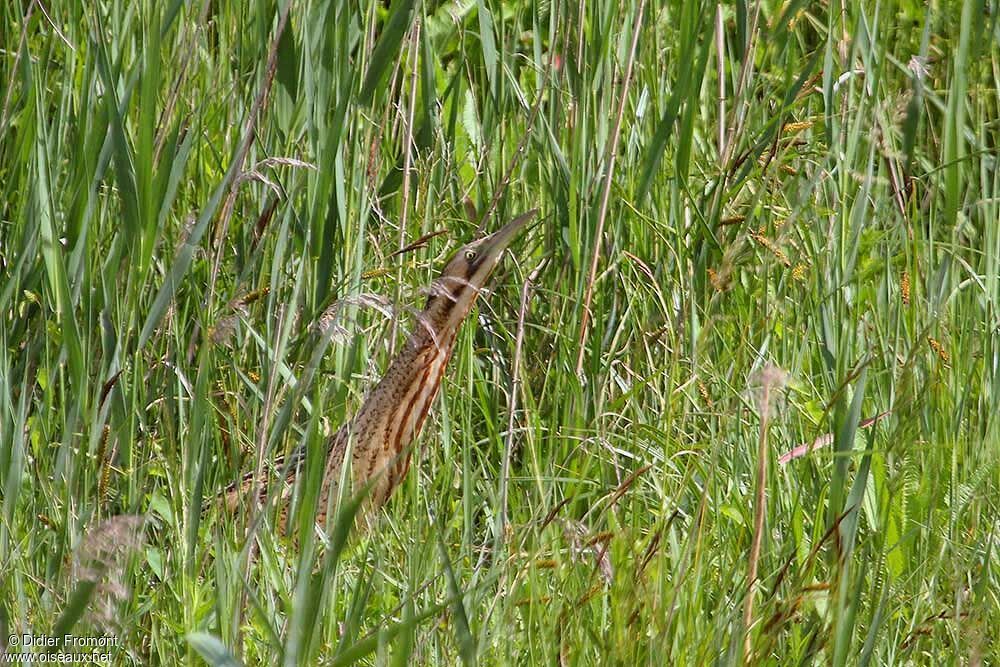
(759, 223)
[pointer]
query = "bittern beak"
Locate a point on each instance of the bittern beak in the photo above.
(492, 246)
(465, 275)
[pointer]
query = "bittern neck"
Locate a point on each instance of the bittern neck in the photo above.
(397, 406)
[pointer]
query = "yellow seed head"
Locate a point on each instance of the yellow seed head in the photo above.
(775, 250)
(938, 349)
(703, 390)
(797, 126)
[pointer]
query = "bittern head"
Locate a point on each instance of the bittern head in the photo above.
(465, 274)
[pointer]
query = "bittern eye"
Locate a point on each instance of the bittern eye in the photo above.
(470, 255)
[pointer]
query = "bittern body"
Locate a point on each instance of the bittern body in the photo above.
(380, 434)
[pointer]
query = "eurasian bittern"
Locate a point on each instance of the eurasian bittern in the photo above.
(390, 418)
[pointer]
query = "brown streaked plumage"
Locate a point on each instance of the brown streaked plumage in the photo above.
(379, 435)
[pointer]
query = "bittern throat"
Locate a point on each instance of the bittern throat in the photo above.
(379, 435)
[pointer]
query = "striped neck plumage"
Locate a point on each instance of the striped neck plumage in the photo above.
(399, 403)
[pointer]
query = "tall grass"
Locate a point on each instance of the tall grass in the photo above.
(190, 189)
